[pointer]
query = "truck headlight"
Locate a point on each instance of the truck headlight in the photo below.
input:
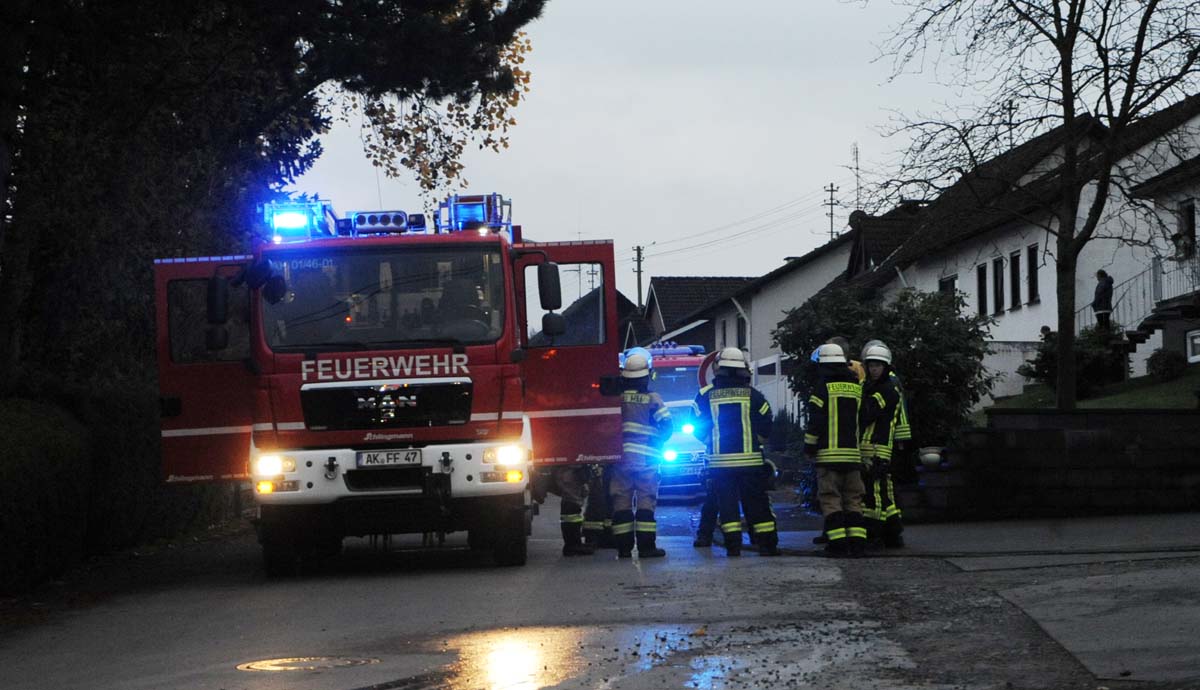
(272, 465)
(510, 454)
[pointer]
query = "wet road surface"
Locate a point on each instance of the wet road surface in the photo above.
(449, 619)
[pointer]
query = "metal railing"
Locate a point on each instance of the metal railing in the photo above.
(1135, 298)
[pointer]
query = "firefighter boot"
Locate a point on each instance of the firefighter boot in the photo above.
(835, 532)
(768, 544)
(856, 535)
(703, 540)
(647, 533)
(572, 544)
(623, 533)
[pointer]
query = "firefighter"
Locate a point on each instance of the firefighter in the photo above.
(645, 426)
(877, 423)
(734, 420)
(832, 438)
(889, 513)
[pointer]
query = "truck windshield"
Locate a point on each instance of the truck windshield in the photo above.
(676, 383)
(378, 299)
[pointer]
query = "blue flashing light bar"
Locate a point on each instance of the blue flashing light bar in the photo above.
(670, 455)
(291, 221)
(482, 213)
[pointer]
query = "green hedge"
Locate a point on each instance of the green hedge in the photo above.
(83, 477)
(44, 480)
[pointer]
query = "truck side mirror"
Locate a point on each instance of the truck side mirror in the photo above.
(256, 275)
(274, 290)
(553, 324)
(218, 300)
(549, 289)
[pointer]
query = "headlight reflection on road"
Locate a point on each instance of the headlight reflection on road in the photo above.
(522, 659)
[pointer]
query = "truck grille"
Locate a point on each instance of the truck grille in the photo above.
(385, 479)
(382, 405)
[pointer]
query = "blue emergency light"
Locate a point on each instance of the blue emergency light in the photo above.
(291, 221)
(482, 213)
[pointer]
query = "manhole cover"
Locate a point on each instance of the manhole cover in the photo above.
(305, 663)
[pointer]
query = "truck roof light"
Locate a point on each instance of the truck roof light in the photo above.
(291, 221)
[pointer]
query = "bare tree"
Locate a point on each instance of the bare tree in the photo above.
(1084, 75)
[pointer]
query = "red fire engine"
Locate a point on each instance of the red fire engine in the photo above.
(375, 374)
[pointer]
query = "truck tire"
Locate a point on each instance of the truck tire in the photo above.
(280, 560)
(511, 546)
(480, 539)
(280, 556)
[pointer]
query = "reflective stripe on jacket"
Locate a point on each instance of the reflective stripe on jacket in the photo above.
(877, 418)
(734, 420)
(832, 413)
(645, 426)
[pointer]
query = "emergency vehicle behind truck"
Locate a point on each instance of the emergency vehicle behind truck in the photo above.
(378, 374)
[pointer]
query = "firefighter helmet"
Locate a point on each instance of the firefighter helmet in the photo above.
(878, 353)
(636, 366)
(867, 345)
(831, 354)
(732, 358)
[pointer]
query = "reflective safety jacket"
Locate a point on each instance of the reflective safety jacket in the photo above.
(903, 428)
(645, 426)
(877, 418)
(833, 417)
(734, 420)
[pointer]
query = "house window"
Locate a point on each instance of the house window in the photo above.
(1193, 346)
(981, 288)
(741, 333)
(998, 285)
(948, 285)
(1031, 273)
(1014, 270)
(1185, 235)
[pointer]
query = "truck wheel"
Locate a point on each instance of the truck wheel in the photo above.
(280, 560)
(511, 545)
(480, 539)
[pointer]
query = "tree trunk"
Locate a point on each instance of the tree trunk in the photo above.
(1065, 280)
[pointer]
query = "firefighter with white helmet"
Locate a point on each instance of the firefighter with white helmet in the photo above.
(734, 420)
(645, 426)
(903, 428)
(831, 437)
(881, 408)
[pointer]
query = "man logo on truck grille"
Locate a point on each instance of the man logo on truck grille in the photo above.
(387, 402)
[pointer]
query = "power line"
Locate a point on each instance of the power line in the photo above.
(773, 225)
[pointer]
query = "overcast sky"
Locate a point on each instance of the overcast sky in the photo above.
(703, 130)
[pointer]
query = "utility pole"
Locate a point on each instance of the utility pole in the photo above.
(857, 180)
(592, 277)
(637, 251)
(831, 203)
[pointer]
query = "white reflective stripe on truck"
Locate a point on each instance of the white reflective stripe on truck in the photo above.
(207, 431)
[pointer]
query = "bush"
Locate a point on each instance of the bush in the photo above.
(1097, 362)
(1166, 365)
(44, 480)
(937, 351)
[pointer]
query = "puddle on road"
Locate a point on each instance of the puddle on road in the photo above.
(813, 654)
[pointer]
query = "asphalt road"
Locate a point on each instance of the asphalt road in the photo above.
(203, 615)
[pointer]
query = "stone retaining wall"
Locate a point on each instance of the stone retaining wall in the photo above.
(1046, 463)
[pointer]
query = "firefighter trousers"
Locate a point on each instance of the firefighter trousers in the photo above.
(570, 483)
(840, 490)
(708, 511)
(597, 515)
(630, 487)
(747, 486)
(879, 507)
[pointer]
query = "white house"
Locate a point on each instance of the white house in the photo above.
(986, 237)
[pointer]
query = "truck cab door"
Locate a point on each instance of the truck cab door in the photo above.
(206, 395)
(571, 421)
